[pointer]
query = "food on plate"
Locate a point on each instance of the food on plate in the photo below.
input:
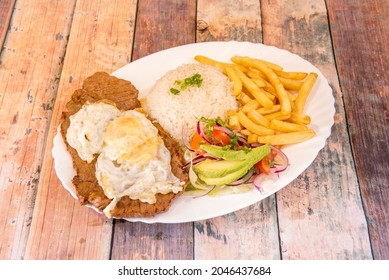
(224, 160)
(258, 82)
(270, 114)
(304, 91)
(230, 119)
(126, 164)
(286, 138)
(230, 168)
(210, 98)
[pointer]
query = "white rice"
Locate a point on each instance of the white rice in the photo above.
(213, 99)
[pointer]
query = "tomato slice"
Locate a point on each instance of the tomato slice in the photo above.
(195, 143)
(264, 164)
(221, 137)
(267, 162)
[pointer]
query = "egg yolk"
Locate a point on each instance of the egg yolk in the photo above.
(129, 140)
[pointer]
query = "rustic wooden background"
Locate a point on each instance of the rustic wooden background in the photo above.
(336, 209)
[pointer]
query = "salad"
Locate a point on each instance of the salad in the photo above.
(222, 160)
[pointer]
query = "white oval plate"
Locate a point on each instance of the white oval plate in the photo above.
(143, 73)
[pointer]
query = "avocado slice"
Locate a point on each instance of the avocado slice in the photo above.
(229, 178)
(218, 151)
(218, 168)
(252, 157)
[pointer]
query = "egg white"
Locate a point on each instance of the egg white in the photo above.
(87, 128)
(135, 180)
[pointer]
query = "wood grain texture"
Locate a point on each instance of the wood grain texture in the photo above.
(228, 20)
(250, 233)
(138, 241)
(31, 62)
(320, 213)
(361, 40)
(160, 25)
(100, 40)
(163, 24)
(6, 8)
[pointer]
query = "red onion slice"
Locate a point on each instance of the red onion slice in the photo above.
(285, 162)
(200, 158)
(242, 141)
(255, 145)
(222, 128)
(258, 182)
(201, 132)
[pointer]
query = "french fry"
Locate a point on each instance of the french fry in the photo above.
(291, 75)
(231, 73)
(269, 88)
(252, 138)
(304, 92)
(271, 65)
(233, 122)
(266, 111)
(290, 84)
(221, 65)
(260, 83)
(239, 66)
(250, 106)
(291, 96)
(231, 113)
(258, 118)
(254, 90)
(253, 127)
(286, 138)
(255, 73)
(271, 76)
(209, 61)
(244, 98)
(277, 115)
(269, 112)
(284, 126)
(299, 118)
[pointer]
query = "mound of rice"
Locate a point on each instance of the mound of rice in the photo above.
(212, 99)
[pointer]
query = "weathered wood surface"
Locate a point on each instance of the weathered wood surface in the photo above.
(337, 209)
(250, 233)
(6, 8)
(31, 63)
(309, 226)
(361, 39)
(100, 40)
(160, 25)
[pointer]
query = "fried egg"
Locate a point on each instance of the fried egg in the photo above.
(87, 128)
(131, 138)
(132, 158)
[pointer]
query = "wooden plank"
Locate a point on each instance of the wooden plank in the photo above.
(360, 37)
(250, 233)
(229, 20)
(160, 25)
(320, 213)
(6, 8)
(31, 61)
(101, 39)
(139, 241)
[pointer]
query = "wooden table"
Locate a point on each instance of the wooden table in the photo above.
(336, 209)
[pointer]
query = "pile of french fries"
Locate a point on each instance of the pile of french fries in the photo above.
(271, 100)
